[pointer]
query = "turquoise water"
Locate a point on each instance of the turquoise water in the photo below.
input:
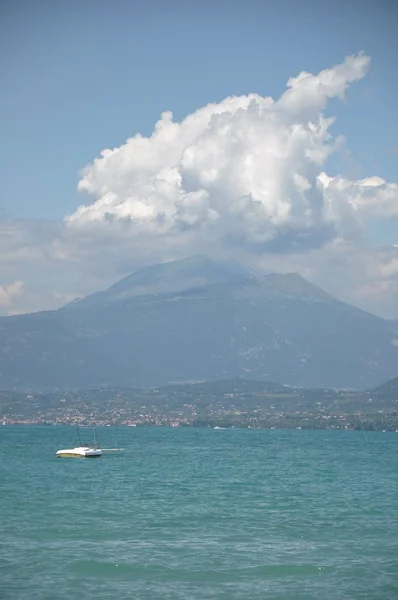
(199, 514)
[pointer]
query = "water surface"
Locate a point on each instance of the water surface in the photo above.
(194, 514)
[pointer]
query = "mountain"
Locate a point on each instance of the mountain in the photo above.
(195, 320)
(176, 276)
(389, 389)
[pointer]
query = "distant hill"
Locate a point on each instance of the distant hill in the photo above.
(227, 386)
(196, 320)
(389, 389)
(207, 401)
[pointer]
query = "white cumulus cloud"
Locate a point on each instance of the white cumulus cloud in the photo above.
(248, 170)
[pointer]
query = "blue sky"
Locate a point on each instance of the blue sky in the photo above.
(81, 76)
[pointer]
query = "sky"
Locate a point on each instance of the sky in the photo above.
(136, 132)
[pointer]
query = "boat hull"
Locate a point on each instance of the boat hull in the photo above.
(79, 453)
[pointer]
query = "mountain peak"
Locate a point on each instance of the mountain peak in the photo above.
(161, 278)
(200, 271)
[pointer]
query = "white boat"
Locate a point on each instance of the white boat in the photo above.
(82, 450)
(85, 450)
(79, 452)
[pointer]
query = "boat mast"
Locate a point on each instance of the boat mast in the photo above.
(95, 438)
(78, 435)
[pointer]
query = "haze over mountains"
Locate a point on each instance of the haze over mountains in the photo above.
(195, 320)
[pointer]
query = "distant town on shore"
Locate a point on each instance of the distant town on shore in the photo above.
(237, 403)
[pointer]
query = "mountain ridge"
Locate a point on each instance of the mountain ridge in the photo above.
(172, 276)
(270, 327)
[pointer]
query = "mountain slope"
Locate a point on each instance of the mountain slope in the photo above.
(176, 276)
(389, 389)
(276, 327)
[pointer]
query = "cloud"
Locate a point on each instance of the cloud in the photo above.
(246, 179)
(9, 291)
(247, 171)
(366, 198)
